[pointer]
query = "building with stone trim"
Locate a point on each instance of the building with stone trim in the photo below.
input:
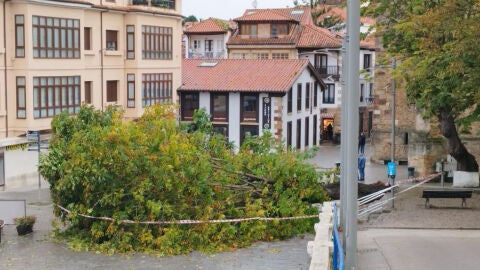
(249, 96)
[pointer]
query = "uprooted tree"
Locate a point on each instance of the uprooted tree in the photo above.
(437, 43)
(156, 170)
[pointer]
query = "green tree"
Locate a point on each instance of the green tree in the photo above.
(153, 170)
(190, 18)
(436, 42)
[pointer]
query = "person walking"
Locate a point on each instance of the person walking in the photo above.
(361, 167)
(361, 143)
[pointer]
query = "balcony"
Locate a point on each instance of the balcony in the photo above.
(169, 4)
(329, 71)
(201, 55)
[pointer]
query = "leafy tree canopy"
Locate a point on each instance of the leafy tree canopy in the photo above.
(156, 170)
(436, 43)
(190, 18)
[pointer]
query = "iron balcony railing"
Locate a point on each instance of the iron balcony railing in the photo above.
(170, 4)
(329, 71)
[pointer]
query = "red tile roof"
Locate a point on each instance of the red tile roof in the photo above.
(317, 37)
(210, 25)
(301, 14)
(245, 75)
(339, 12)
(264, 15)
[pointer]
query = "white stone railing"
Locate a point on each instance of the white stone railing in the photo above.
(321, 248)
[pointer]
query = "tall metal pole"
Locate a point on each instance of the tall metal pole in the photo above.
(351, 141)
(344, 127)
(392, 150)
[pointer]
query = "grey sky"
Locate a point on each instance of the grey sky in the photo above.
(227, 9)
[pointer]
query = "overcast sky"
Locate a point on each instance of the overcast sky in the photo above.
(227, 9)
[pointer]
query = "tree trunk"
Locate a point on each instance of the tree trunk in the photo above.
(456, 148)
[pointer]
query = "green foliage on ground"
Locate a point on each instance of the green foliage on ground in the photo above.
(156, 170)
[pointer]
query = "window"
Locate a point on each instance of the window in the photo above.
(329, 94)
(307, 95)
(321, 63)
(112, 91)
(249, 30)
(221, 129)
(370, 92)
(52, 95)
(239, 56)
(299, 97)
(88, 92)
(156, 42)
(314, 134)
(21, 98)
(307, 131)
(362, 92)
(19, 36)
(196, 44)
(131, 90)
(290, 101)
(170, 4)
(55, 37)
(189, 103)
(249, 108)
(315, 94)
(299, 133)
(367, 59)
(219, 107)
(156, 88)
(260, 55)
(278, 29)
(130, 42)
(87, 38)
(246, 131)
(208, 45)
(279, 55)
(289, 134)
(112, 40)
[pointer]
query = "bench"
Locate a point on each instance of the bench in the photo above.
(446, 194)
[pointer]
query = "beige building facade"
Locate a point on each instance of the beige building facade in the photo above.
(57, 55)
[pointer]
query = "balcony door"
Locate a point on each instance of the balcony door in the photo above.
(321, 62)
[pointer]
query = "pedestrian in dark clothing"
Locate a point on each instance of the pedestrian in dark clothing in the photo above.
(330, 131)
(361, 143)
(361, 167)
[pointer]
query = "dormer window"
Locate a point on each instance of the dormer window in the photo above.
(249, 30)
(278, 29)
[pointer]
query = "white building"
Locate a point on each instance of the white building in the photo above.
(248, 96)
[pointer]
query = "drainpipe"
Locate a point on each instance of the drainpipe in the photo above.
(101, 54)
(5, 68)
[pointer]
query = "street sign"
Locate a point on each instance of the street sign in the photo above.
(33, 135)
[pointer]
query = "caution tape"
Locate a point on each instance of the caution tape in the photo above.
(188, 221)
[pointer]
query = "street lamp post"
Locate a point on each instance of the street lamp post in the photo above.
(392, 149)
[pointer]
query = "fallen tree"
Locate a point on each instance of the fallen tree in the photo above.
(139, 174)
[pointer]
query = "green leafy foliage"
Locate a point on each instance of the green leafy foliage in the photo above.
(152, 170)
(437, 45)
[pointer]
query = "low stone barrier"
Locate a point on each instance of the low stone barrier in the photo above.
(321, 248)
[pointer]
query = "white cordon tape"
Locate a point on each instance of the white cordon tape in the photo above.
(188, 221)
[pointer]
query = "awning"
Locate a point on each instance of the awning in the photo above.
(327, 115)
